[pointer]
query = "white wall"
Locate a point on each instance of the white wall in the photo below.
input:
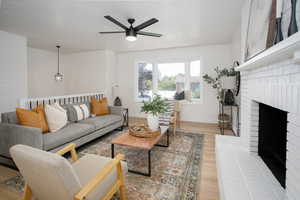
(88, 72)
(42, 65)
(13, 70)
(111, 75)
(84, 72)
(210, 56)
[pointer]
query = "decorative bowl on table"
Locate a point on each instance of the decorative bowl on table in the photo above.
(143, 131)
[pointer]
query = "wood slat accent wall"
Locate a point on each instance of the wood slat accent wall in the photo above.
(30, 103)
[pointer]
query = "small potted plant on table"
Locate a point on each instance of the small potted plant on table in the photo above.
(153, 108)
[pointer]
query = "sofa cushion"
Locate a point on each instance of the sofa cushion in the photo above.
(102, 121)
(67, 134)
(9, 117)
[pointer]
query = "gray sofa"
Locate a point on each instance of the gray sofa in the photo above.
(80, 132)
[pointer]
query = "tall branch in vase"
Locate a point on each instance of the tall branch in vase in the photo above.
(216, 81)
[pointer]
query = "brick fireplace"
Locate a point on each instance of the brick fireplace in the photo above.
(275, 86)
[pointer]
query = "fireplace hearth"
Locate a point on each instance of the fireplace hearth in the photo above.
(272, 140)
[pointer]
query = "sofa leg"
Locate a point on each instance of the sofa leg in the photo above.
(120, 128)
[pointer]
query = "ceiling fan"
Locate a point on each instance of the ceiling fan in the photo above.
(132, 32)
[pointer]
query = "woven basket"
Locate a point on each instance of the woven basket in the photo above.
(142, 131)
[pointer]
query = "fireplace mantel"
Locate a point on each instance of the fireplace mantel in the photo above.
(287, 49)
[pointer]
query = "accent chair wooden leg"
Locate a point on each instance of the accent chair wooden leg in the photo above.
(27, 193)
(174, 129)
(122, 186)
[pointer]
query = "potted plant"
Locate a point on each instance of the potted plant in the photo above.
(153, 108)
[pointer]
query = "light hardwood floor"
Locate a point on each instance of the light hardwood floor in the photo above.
(208, 176)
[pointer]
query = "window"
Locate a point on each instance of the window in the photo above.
(166, 79)
(195, 78)
(145, 83)
(170, 79)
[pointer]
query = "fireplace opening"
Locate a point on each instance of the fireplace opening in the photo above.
(272, 140)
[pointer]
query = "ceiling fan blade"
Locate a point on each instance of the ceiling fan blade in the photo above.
(109, 32)
(116, 22)
(146, 24)
(149, 34)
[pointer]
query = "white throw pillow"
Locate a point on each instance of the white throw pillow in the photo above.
(56, 117)
(85, 111)
(79, 112)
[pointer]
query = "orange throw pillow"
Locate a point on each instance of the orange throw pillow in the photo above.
(35, 118)
(40, 109)
(99, 107)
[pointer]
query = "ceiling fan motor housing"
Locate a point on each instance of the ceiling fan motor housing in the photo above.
(131, 32)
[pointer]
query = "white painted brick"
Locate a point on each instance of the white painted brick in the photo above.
(277, 85)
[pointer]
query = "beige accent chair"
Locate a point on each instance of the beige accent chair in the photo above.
(50, 176)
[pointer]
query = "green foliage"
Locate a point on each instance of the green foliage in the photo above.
(167, 83)
(216, 82)
(155, 106)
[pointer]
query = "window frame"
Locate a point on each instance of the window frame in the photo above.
(155, 76)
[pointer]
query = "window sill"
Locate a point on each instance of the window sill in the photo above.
(192, 102)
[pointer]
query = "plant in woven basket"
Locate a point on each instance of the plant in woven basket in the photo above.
(153, 108)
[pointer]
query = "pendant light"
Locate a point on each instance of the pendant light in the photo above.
(58, 76)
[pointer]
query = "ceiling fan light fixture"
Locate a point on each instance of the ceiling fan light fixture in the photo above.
(131, 35)
(131, 38)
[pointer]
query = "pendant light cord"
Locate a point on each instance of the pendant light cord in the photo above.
(58, 58)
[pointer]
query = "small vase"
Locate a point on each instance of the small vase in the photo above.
(278, 35)
(153, 122)
(293, 28)
(117, 102)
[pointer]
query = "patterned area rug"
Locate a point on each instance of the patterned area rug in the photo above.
(175, 169)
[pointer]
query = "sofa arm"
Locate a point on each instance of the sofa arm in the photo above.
(12, 134)
(116, 110)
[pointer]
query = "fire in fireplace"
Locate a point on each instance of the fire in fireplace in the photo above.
(273, 139)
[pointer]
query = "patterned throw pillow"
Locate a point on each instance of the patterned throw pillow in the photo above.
(79, 113)
(56, 117)
(85, 111)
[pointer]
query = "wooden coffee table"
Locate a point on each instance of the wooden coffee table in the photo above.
(140, 143)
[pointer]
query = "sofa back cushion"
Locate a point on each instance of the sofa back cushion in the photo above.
(9, 117)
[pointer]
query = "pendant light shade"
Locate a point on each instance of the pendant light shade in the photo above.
(58, 76)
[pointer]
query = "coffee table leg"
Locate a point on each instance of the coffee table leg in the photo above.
(149, 162)
(112, 150)
(149, 167)
(168, 138)
(161, 145)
